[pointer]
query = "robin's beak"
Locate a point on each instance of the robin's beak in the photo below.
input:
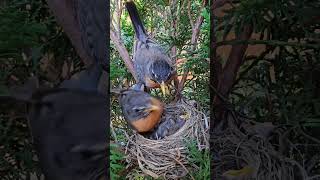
(164, 88)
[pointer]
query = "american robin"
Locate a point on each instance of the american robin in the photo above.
(141, 111)
(152, 64)
(69, 132)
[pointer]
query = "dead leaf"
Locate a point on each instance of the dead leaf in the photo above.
(242, 174)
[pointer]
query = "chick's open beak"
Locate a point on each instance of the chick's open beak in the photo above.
(164, 88)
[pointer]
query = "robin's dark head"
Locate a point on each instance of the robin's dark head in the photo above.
(138, 104)
(160, 72)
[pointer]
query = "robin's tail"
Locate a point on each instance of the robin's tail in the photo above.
(136, 21)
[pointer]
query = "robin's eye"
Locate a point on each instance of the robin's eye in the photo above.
(137, 110)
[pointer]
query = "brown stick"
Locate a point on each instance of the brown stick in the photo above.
(219, 3)
(229, 73)
(194, 39)
(123, 52)
(180, 86)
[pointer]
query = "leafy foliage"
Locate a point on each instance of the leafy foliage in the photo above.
(201, 158)
(28, 32)
(115, 162)
(281, 84)
(168, 23)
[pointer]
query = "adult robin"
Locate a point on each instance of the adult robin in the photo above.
(69, 132)
(152, 64)
(69, 123)
(141, 111)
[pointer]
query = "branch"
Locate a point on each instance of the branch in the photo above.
(115, 36)
(175, 19)
(219, 3)
(123, 52)
(189, 14)
(194, 38)
(196, 26)
(234, 62)
(228, 76)
(119, 13)
(181, 85)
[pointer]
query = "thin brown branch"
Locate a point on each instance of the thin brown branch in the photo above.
(219, 3)
(123, 52)
(234, 62)
(196, 25)
(119, 13)
(115, 36)
(189, 14)
(174, 24)
(180, 86)
(194, 38)
(229, 73)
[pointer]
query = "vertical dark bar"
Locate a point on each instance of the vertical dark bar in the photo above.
(67, 114)
(263, 89)
(108, 117)
(212, 81)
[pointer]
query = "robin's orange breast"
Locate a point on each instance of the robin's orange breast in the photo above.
(151, 84)
(148, 123)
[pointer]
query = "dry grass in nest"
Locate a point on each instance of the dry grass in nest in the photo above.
(168, 157)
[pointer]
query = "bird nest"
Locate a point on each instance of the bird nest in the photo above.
(168, 157)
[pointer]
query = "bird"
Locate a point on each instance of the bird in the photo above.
(141, 111)
(152, 64)
(91, 18)
(69, 132)
(167, 127)
(69, 123)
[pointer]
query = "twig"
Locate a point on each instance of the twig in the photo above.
(219, 3)
(123, 52)
(194, 38)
